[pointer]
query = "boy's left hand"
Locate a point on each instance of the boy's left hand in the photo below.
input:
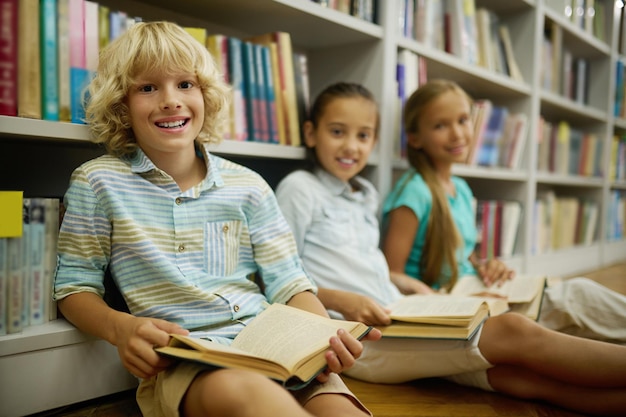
(345, 350)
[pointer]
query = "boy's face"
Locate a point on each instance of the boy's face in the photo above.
(445, 129)
(345, 136)
(166, 111)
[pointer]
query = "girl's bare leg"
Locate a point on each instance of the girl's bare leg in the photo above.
(525, 384)
(235, 393)
(511, 339)
(333, 405)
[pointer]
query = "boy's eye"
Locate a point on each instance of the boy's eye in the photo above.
(186, 84)
(146, 88)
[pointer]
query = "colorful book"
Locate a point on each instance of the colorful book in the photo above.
(8, 57)
(14, 285)
(270, 93)
(251, 91)
(238, 116)
(79, 74)
(49, 60)
(63, 43)
(50, 254)
(28, 60)
(262, 92)
(489, 149)
(38, 290)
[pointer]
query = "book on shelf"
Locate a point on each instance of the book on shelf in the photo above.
(488, 153)
(28, 60)
(256, 130)
(509, 54)
(238, 116)
(435, 316)
(288, 98)
(8, 57)
(49, 60)
(262, 75)
(63, 62)
(79, 74)
(267, 62)
(303, 93)
(283, 343)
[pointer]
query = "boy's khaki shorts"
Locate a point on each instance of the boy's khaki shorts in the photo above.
(161, 395)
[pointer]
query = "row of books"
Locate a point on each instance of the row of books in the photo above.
(561, 221)
(562, 72)
(619, 104)
(270, 85)
(587, 15)
(616, 220)
(363, 9)
(617, 159)
(499, 135)
(52, 53)
(475, 35)
(497, 224)
(411, 72)
(27, 264)
(565, 150)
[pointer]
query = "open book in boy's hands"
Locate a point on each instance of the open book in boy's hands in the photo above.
(523, 293)
(283, 343)
(435, 316)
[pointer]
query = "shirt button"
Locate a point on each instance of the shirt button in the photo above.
(179, 201)
(181, 248)
(225, 229)
(236, 308)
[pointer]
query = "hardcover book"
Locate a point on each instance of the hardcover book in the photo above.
(283, 343)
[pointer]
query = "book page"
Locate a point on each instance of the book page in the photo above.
(433, 305)
(520, 289)
(286, 334)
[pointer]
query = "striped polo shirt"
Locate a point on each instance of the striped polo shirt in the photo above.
(185, 257)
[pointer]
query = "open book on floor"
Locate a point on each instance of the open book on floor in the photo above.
(283, 343)
(436, 316)
(523, 294)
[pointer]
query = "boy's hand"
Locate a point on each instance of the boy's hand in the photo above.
(345, 350)
(136, 338)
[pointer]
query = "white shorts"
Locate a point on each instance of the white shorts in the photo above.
(397, 360)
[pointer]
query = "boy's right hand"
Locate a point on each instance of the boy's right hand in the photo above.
(136, 338)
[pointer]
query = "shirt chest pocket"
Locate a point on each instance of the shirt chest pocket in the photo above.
(221, 247)
(335, 225)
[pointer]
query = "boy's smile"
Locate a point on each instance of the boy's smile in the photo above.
(166, 111)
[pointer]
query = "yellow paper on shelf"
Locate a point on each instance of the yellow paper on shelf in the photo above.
(11, 213)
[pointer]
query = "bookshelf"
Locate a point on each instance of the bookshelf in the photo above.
(61, 364)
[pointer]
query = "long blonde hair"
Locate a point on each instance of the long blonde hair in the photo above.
(442, 236)
(150, 46)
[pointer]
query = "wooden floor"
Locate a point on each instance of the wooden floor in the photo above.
(424, 398)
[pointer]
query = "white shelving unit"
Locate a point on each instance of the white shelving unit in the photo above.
(62, 366)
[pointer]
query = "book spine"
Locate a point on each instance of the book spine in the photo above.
(37, 238)
(250, 92)
(63, 42)
(92, 36)
(272, 116)
(79, 75)
(25, 265)
(14, 285)
(8, 57)
(49, 60)
(50, 254)
(238, 114)
(262, 97)
(28, 60)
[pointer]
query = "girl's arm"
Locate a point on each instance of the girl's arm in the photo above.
(354, 307)
(408, 285)
(399, 238)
